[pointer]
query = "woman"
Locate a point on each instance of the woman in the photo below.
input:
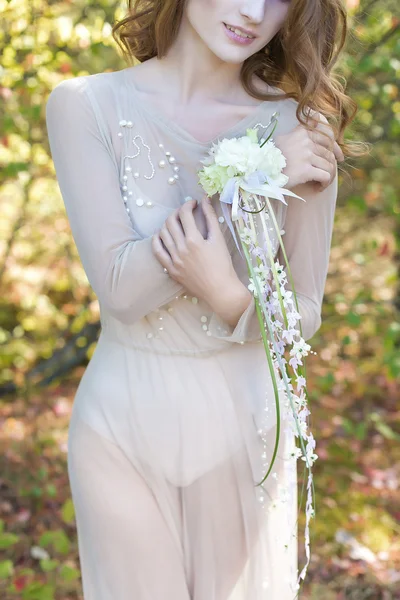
(164, 445)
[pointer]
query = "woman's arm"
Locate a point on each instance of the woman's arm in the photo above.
(121, 268)
(307, 240)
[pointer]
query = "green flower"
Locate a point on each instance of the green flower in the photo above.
(252, 134)
(213, 178)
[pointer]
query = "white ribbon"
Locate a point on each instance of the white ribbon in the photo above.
(255, 184)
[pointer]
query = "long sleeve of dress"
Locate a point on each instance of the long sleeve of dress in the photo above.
(247, 328)
(121, 268)
(307, 240)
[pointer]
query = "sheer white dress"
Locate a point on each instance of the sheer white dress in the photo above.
(164, 449)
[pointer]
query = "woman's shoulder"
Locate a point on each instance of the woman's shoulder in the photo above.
(103, 86)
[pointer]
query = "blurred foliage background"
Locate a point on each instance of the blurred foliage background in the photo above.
(49, 320)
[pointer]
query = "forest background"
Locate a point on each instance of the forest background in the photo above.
(49, 320)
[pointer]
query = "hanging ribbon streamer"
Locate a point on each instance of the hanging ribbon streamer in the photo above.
(254, 184)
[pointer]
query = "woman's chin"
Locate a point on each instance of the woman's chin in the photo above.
(231, 55)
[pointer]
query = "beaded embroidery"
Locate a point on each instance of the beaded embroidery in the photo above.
(127, 158)
(162, 163)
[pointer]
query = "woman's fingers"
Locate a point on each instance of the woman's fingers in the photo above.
(325, 152)
(211, 218)
(187, 219)
(338, 152)
(321, 128)
(174, 227)
(169, 242)
(161, 253)
(324, 165)
(318, 137)
(319, 175)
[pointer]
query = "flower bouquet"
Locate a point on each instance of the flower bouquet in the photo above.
(247, 173)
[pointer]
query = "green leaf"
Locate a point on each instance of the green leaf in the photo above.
(7, 540)
(387, 431)
(51, 490)
(38, 591)
(6, 569)
(361, 430)
(68, 511)
(49, 564)
(12, 169)
(58, 539)
(353, 318)
(69, 573)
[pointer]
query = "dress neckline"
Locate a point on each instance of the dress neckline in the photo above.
(157, 115)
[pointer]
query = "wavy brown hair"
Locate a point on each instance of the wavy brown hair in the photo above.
(299, 59)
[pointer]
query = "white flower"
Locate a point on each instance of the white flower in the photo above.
(300, 349)
(243, 156)
(272, 162)
(252, 285)
(262, 271)
(311, 457)
(286, 297)
(302, 427)
(39, 553)
(296, 453)
(248, 236)
(282, 275)
(301, 381)
(240, 154)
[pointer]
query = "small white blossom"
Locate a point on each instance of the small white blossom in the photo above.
(252, 285)
(296, 453)
(300, 349)
(302, 427)
(311, 458)
(248, 236)
(286, 297)
(39, 553)
(262, 271)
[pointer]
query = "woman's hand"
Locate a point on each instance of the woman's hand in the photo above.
(310, 155)
(203, 266)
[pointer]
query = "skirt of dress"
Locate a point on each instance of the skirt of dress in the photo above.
(164, 457)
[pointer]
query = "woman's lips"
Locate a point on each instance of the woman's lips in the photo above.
(240, 39)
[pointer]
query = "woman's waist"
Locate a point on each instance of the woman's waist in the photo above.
(179, 328)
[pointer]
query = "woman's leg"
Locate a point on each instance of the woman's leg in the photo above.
(234, 546)
(221, 525)
(126, 550)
